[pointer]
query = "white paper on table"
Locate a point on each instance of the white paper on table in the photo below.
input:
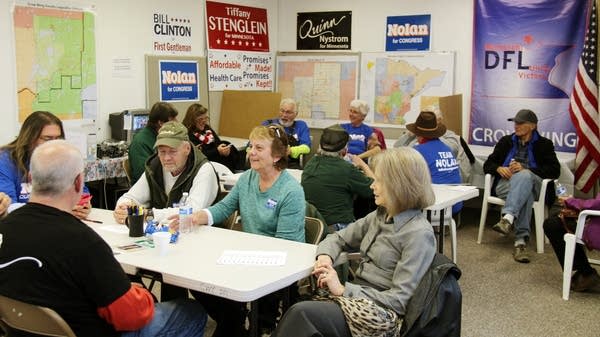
(121, 229)
(461, 187)
(252, 258)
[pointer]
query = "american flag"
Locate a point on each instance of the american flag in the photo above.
(584, 110)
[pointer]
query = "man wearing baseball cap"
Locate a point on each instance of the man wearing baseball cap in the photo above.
(176, 167)
(518, 163)
(330, 183)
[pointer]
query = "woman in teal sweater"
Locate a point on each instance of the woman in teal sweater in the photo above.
(271, 203)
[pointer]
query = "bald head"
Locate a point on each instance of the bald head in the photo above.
(54, 167)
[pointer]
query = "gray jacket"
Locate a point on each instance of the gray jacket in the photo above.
(395, 256)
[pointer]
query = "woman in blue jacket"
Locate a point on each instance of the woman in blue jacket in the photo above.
(38, 128)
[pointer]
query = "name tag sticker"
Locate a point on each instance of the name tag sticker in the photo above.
(271, 204)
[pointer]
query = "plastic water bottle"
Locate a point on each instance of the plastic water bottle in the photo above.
(561, 190)
(185, 214)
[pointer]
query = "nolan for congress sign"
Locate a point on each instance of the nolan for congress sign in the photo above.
(178, 80)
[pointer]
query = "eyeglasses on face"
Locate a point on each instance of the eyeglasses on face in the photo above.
(49, 138)
(287, 112)
(203, 119)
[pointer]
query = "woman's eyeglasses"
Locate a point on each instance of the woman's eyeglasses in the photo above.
(49, 138)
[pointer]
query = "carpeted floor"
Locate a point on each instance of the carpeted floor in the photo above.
(504, 298)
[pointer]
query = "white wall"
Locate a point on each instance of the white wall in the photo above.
(8, 113)
(123, 30)
(451, 29)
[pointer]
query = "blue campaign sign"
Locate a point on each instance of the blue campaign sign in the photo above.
(409, 32)
(178, 81)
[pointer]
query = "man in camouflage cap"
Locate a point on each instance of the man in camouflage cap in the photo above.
(176, 167)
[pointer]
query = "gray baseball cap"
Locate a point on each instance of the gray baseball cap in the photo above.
(524, 115)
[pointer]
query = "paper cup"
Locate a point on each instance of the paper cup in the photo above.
(161, 242)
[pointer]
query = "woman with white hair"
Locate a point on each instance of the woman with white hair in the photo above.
(363, 141)
(398, 246)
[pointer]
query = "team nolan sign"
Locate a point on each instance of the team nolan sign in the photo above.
(178, 81)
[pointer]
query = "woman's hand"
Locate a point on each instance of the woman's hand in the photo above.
(561, 199)
(323, 261)
(4, 203)
(224, 150)
(327, 278)
(82, 211)
(198, 218)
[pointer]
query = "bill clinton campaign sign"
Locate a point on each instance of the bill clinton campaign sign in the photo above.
(525, 56)
(178, 81)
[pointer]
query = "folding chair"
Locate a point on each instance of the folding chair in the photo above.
(539, 210)
(570, 241)
(17, 316)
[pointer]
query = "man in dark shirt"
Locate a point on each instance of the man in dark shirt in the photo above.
(519, 163)
(52, 259)
(331, 183)
(142, 144)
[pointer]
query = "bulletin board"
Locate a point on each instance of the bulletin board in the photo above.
(153, 82)
(323, 84)
(241, 111)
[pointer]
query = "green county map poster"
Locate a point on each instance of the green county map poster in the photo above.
(56, 62)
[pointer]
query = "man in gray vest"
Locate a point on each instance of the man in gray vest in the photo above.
(175, 168)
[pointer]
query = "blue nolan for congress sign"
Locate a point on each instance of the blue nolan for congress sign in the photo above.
(411, 32)
(178, 80)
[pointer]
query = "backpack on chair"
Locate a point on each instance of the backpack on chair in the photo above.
(435, 307)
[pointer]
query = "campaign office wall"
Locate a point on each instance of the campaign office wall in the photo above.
(451, 30)
(124, 30)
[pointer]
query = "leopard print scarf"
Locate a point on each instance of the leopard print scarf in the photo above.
(367, 319)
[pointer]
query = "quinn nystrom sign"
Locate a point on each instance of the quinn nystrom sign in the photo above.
(324, 31)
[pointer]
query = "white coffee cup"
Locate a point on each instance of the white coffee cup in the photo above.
(161, 242)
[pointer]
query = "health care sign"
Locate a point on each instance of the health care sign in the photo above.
(230, 70)
(178, 81)
(234, 27)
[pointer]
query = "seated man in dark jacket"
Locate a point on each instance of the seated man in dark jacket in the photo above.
(330, 183)
(519, 163)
